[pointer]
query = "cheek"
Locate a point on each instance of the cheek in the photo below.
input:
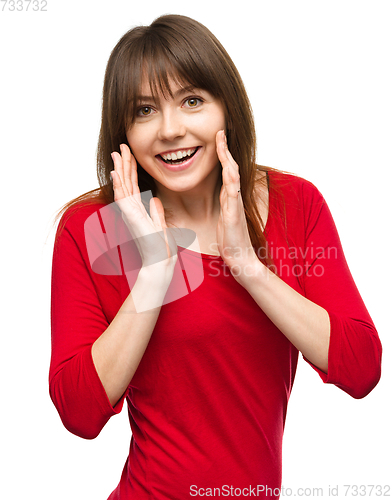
(130, 140)
(216, 122)
(136, 141)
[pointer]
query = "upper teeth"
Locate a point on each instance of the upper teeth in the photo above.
(179, 154)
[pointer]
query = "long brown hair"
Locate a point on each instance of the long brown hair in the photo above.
(180, 48)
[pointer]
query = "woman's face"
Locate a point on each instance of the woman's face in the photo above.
(174, 139)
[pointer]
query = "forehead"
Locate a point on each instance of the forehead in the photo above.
(162, 86)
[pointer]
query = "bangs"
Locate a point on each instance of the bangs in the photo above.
(161, 74)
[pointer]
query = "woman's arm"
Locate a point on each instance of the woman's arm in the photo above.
(96, 347)
(329, 323)
(303, 322)
(118, 351)
(96, 343)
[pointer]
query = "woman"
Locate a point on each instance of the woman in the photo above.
(194, 306)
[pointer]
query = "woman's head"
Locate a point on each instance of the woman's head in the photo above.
(172, 49)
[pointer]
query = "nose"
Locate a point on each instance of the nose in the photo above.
(171, 126)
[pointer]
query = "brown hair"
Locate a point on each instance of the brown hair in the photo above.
(180, 48)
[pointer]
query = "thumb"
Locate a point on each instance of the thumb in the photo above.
(157, 213)
(158, 217)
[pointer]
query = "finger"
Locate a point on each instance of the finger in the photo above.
(127, 167)
(161, 211)
(227, 184)
(224, 154)
(155, 213)
(220, 146)
(233, 164)
(230, 193)
(222, 199)
(117, 186)
(158, 217)
(118, 167)
(134, 177)
(230, 172)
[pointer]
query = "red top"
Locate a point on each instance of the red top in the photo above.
(207, 404)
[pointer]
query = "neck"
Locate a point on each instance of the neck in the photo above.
(198, 206)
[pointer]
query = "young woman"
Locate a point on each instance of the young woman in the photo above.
(193, 302)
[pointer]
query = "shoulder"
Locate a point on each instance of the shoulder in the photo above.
(73, 220)
(87, 237)
(294, 190)
(290, 182)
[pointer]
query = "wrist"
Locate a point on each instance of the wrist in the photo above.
(158, 272)
(151, 286)
(248, 272)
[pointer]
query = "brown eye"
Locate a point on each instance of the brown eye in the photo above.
(144, 111)
(193, 102)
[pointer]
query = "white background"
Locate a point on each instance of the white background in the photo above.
(319, 78)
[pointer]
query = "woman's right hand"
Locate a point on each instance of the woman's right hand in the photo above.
(150, 233)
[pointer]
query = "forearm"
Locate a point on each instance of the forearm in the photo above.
(303, 322)
(118, 351)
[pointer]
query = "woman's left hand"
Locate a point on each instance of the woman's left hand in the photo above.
(233, 238)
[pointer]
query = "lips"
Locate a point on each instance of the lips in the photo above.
(175, 161)
(178, 157)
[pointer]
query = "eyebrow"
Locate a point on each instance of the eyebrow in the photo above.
(182, 90)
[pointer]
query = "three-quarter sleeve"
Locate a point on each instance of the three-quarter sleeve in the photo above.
(78, 318)
(354, 357)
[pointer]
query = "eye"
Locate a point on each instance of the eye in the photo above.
(144, 111)
(193, 102)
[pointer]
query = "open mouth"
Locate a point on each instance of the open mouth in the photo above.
(179, 157)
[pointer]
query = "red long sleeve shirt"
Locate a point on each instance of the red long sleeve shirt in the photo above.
(208, 401)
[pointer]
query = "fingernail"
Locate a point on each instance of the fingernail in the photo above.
(224, 143)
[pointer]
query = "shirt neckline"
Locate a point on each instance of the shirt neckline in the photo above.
(207, 256)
